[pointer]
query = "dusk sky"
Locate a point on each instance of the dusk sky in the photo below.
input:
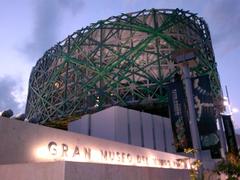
(30, 27)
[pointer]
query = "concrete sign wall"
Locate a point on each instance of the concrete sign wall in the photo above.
(22, 142)
(81, 171)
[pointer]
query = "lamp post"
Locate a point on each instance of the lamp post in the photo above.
(227, 118)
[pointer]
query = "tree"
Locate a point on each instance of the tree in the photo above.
(230, 166)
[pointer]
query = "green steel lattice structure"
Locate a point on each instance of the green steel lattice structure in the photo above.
(125, 60)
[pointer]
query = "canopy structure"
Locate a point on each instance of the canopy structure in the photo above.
(125, 60)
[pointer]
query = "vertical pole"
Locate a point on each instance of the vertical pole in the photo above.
(100, 67)
(228, 107)
(65, 110)
(227, 95)
(192, 115)
(222, 137)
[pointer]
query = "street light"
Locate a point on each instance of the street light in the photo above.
(235, 110)
(228, 108)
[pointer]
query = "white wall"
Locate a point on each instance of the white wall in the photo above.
(128, 126)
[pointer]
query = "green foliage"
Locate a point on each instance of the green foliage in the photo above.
(195, 165)
(230, 166)
(61, 123)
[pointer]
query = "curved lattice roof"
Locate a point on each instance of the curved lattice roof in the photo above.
(124, 60)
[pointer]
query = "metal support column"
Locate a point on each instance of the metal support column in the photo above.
(192, 115)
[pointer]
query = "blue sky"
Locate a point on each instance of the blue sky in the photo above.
(30, 27)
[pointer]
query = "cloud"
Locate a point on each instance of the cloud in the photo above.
(8, 100)
(48, 16)
(74, 6)
(224, 17)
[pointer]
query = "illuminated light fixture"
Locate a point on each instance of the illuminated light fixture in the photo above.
(225, 103)
(42, 152)
(57, 85)
(225, 98)
(235, 110)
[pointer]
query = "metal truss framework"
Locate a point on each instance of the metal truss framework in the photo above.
(124, 60)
